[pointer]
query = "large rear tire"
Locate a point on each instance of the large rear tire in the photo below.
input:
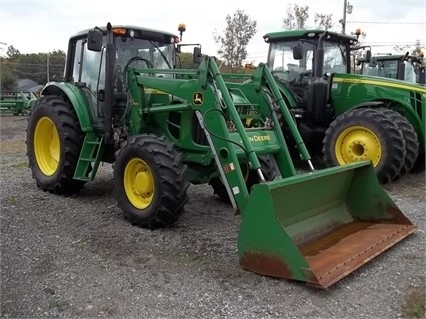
(268, 170)
(54, 142)
(419, 166)
(150, 181)
(410, 138)
(365, 134)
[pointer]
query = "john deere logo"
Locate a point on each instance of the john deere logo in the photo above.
(259, 138)
(197, 98)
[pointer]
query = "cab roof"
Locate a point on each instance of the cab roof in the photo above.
(312, 34)
(145, 31)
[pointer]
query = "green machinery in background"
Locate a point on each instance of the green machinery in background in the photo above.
(17, 103)
(403, 67)
(345, 117)
(123, 102)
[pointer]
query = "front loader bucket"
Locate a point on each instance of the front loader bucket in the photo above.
(319, 227)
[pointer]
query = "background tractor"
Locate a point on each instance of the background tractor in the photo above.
(123, 102)
(17, 102)
(345, 117)
(395, 66)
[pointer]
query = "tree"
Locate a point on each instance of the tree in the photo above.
(38, 67)
(9, 81)
(323, 21)
(11, 52)
(414, 49)
(56, 61)
(233, 44)
(186, 61)
(296, 17)
(401, 49)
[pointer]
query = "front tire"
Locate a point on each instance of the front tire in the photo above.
(150, 181)
(365, 134)
(54, 142)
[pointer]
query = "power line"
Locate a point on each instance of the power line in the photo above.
(387, 22)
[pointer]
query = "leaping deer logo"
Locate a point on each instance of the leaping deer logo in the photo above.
(197, 98)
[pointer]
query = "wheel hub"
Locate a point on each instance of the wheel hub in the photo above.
(139, 183)
(142, 184)
(46, 146)
(357, 144)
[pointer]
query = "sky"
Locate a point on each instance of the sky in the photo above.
(34, 26)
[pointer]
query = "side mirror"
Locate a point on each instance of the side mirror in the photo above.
(94, 40)
(373, 63)
(297, 52)
(197, 56)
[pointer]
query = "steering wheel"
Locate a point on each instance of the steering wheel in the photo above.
(303, 75)
(138, 58)
(281, 75)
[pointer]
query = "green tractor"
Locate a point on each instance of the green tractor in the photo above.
(403, 67)
(17, 103)
(122, 101)
(345, 117)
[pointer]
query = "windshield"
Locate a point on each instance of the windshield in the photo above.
(281, 59)
(386, 69)
(389, 69)
(159, 55)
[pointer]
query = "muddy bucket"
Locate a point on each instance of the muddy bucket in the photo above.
(319, 227)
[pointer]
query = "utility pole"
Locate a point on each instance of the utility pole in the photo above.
(47, 69)
(347, 8)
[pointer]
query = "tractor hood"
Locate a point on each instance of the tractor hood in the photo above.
(379, 82)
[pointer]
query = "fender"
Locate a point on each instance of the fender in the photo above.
(77, 99)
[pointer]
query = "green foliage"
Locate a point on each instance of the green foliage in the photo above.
(11, 52)
(13, 199)
(296, 17)
(39, 67)
(233, 43)
(8, 79)
(185, 61)
(414, 304)
(323, 21)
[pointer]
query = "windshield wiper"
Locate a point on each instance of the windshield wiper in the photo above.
(161, 52)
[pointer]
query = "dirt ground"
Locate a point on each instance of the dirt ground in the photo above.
(77, 257)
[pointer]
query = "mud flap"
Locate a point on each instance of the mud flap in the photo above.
(319, 227)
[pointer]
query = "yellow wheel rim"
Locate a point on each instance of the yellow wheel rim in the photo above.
(138, 183)
(46, 146)
(358, 143)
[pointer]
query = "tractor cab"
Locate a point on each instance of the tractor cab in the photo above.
(297, 69)
(98, 60)
(406, 67)
(304, 61)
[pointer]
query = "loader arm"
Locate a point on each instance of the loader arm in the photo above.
(207, 94)
(315, 227)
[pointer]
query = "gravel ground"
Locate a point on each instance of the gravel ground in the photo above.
(77, 257)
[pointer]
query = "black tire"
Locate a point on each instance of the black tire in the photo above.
(54, 142)
(410, 138)
(268, 170)
(219, 189)
(150, 163)
(419, 166)
(365, 134)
